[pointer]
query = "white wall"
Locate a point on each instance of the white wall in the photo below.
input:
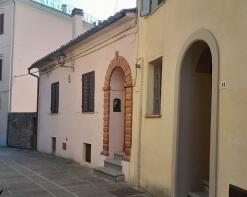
(37, 33)
(6, 7)
(70, 122)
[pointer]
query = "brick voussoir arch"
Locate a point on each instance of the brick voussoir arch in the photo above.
(118, 62)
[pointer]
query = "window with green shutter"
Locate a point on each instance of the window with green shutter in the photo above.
(145, 7)
(1, 23)
(54, 97)
(88, 87)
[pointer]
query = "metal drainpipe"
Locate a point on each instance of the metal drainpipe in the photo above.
(140, 125)
(11, 68)
(37, 102)
(12, 58)
(140, 105)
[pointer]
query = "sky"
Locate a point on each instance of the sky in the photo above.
(102, 9)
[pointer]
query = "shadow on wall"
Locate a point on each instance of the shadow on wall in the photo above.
(157, 191)
(22, 130)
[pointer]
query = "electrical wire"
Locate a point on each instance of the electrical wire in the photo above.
(83, 53)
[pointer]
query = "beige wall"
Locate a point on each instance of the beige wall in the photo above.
(97, 52)
(165, 33)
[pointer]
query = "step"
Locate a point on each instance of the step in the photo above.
(109, 173)
(198, 194)
(119, 155)
(113, 163)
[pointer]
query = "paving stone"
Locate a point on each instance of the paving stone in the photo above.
(29, 174)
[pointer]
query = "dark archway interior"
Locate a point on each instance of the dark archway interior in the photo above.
(194, 120)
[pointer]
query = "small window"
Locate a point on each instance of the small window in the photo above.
(88, 86)
(54, 97)
(64, 146)
(53, 145)
(116, 105)
(87, 153)
(154, 87)
(1, 69)
(1, 23)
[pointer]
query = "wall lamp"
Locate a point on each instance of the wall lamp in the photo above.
(62, 60)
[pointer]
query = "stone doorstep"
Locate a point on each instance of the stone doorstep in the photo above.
(114, 164)
(109, 173)
(198, 194)
(119, 155)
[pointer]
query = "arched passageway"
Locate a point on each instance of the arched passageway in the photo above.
(194, 129)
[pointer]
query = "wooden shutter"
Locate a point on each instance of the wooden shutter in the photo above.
(88, 88)
(1, 69)
(157, 88)
(145, 7)
(1, 23)
(54, 97)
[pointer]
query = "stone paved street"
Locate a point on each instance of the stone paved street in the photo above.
(27, 173)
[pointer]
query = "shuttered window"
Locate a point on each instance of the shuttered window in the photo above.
(88, 87)
(145, 7)
(1, 69)
(157, 88)
(1, 23)
(54, 97)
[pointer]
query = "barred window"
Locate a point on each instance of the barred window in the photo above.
(154, 87)
(88, 87)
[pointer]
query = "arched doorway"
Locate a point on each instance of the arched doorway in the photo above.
(118, 92)
(194, 125)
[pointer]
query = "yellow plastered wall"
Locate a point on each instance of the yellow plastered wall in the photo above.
(164, 33)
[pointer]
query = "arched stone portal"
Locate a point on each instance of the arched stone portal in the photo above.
(118, 63)
(199, 51)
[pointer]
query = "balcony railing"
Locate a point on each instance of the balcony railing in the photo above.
(58, 5)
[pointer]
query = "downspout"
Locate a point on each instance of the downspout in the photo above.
(141, 66)
(12, 58)
(140, 124)
(37, 103)
(11, 68)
